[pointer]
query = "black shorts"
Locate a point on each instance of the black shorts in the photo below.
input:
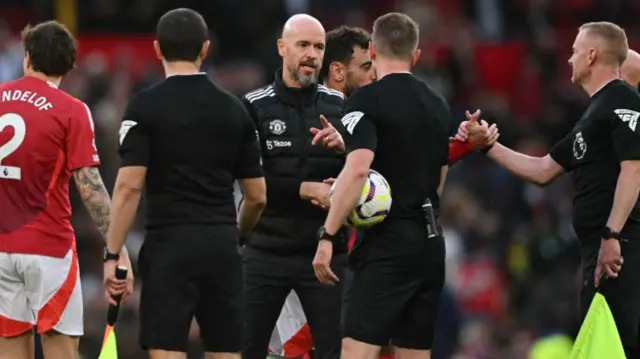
(398, 279)
(622, 293)
(191, 271)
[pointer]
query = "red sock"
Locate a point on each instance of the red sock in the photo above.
(388, 356)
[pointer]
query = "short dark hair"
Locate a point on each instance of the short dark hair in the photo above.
(340, 44)
(180, 34)
(396, 35)
(51, 47)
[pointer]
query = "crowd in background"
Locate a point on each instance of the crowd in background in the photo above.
(513, 264)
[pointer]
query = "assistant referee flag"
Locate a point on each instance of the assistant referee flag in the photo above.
(598, 337)
(109, 346)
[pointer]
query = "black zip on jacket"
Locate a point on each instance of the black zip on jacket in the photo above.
(283, 117)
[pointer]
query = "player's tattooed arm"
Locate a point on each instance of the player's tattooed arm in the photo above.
(95, 196)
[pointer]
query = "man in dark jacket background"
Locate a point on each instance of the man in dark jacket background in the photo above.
(278, 255)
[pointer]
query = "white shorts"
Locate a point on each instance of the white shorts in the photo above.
(42, 292)
(291, 337)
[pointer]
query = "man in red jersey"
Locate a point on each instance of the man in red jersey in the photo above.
(46, 136)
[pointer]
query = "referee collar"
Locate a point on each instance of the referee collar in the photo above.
(191, 74)
(614, 81)
(293, 95)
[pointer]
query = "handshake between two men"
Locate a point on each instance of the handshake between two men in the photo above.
(473, 134)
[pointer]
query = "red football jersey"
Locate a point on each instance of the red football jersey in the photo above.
(45, 134)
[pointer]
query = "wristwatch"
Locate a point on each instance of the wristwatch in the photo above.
(323, 234)
(609, 234)
(107, 256)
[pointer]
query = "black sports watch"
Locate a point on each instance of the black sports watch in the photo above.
(323, 234)
(108, 256)
(609, 234)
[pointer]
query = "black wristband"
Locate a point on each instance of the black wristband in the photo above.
(486, 149)
(608, 233)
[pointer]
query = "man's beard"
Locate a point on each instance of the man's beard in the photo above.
(303, 79)
(349, 85)
(349, 88)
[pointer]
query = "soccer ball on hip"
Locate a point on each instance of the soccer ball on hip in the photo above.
(374, 203)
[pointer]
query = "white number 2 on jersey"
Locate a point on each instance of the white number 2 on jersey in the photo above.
(19, 132)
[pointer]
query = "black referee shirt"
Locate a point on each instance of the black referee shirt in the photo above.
(607, 134)
(407, 124)
(195, 139)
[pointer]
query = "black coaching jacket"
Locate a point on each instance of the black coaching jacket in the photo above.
(283, 117)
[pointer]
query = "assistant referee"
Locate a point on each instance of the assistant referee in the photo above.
(188, 140)
(603, 154)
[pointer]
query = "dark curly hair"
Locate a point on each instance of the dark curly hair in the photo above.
(340, 44)
(51, 47)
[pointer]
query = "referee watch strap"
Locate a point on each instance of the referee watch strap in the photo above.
(608, 233)
(108, 256)
(333, 238)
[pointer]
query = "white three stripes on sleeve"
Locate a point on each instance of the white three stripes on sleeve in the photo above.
(270, 92)
(325, 89)
(261, 93)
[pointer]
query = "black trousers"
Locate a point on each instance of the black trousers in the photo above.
(268, 280)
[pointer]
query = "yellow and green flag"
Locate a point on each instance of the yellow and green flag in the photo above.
(598, 337)
(109, 346)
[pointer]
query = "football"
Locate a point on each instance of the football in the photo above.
(374, 203)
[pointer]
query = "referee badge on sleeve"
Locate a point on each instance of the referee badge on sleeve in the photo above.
(579, 146)
(629, 117)
(350, 120)
(124, 129)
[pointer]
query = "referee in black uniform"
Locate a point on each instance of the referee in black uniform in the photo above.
(603, 154)
(186, 140)
(399, 270)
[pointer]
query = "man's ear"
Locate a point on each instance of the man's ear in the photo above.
(416, 57)
(205, 50)
(156, 48)
(592, 56)
(281, 48)
(337, 71)
(372, 51)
